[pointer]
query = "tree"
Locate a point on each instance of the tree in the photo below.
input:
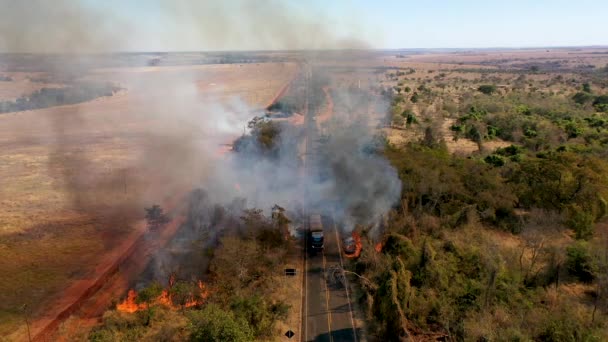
(582, 97)
(601, 103)
(212, 324)
(155, 217)
(182, 291)
(254, 219)
(147, 296)
(581, 222)
(410, 117)
(279, 219)
(260, 315)
(487, 88)
(586, 87)
(494, 160)
(580, 263)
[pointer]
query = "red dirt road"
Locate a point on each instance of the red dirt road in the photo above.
(91, 296)
(329, 107)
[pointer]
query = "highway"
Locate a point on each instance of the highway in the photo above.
(327, 310)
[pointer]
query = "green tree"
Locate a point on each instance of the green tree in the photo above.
(586, 87)
(260, 315)
(494, 160)
(414, 97)
(601, 103)
(581, 222)
(582, 97)
(212, 324)
(487, 88)
(580, 263)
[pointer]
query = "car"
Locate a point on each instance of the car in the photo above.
(349, 245)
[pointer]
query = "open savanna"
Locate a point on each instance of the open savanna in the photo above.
(447, 83)
(74, 179)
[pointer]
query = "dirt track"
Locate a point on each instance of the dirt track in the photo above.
(115, 272)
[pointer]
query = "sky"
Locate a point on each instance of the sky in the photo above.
(169, 25)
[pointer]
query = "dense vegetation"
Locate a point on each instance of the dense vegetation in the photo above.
(504, 244)
(240, 304)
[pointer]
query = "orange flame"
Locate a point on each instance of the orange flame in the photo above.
(379, 247)
(165, 299)
(358, 246)
(130, 305)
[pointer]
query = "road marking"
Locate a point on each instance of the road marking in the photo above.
(352, 319)
(331, 338)
(304, 302)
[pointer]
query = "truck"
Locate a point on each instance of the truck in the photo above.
(315, 232)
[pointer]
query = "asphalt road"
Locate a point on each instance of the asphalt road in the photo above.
(327, 312)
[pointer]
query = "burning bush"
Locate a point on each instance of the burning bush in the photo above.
(178, 294)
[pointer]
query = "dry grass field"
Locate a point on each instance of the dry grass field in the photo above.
(73, 178)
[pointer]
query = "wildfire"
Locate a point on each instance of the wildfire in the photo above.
(378, 247)
(198, 301)
(237, 187)
(358, 246)
(130, 304)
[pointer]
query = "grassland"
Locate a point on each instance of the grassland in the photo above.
(73, 177)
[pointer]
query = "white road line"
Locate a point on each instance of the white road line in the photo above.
(304, 313)
(346, 287)
(327, 308)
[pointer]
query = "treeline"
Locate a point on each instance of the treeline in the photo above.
(50, 97)
(443, 273)
(506, 244)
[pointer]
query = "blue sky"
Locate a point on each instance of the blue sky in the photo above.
(157, 25)
(472, 23)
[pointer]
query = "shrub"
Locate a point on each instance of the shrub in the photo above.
(214, 324)
(601, 103)
(494, 160)
(414, 98)
(582, 97)
(580, 263)
(582, 223)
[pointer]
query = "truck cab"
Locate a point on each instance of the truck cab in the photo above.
(315, 233)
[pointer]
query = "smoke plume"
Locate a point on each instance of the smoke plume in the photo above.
(178, 132)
